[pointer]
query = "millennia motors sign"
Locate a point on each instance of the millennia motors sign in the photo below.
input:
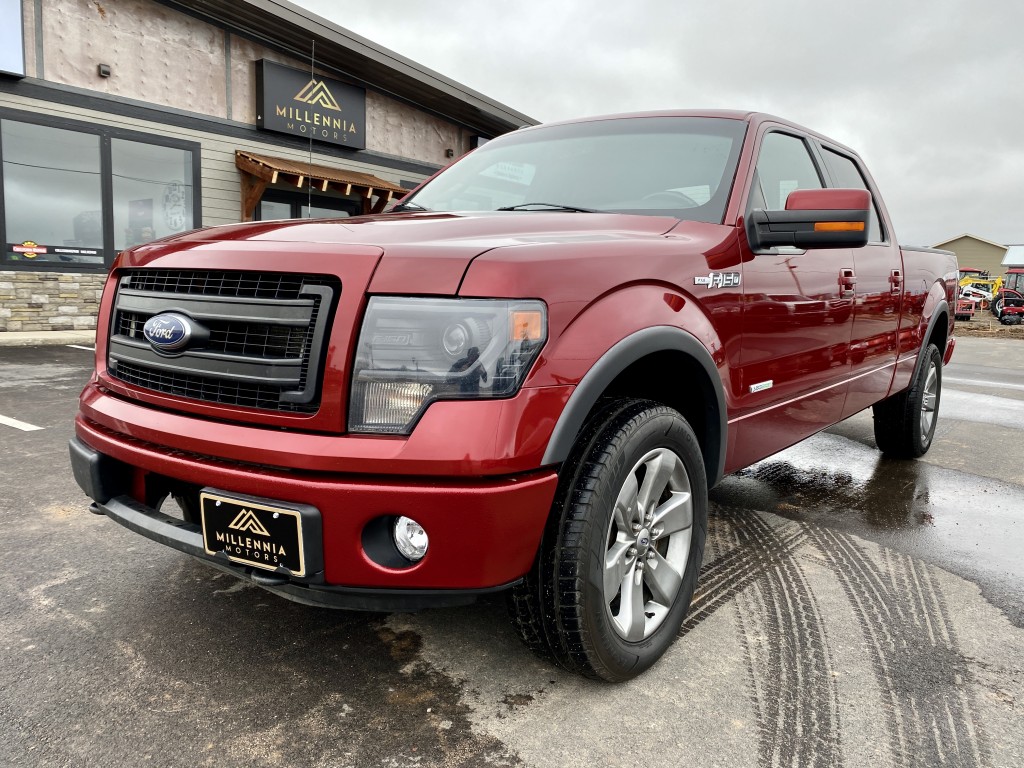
(295, 101)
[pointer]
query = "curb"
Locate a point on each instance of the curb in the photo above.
(46, 338)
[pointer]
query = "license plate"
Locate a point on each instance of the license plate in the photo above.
(262, 535)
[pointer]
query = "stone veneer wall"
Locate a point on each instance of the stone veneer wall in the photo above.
(49, 301)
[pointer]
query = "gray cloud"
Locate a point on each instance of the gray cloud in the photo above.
(930, 94)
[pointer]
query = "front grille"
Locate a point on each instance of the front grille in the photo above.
(259, 336)
(257, 285)
(232, 337)
(199, 388)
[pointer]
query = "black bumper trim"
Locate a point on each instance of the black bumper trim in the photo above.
(100, 476)
(88, 465)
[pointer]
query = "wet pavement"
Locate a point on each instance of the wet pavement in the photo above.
(967, 524)
(852, 611)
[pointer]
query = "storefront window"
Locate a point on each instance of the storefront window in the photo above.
(323, 212)
(152, 191)
(283, 205)
(271, 210)
(52, 194)
(76, 194)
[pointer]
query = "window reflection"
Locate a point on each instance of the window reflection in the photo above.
(322, 212)
(52, 194)
(152, 191)
(271, 210)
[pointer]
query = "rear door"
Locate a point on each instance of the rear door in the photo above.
(879, 278)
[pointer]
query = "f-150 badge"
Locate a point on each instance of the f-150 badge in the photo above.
(718, 280)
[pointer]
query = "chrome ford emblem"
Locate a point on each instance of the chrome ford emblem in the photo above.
(167, 332)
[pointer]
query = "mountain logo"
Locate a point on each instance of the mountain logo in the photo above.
(317, 92)
(246, 520)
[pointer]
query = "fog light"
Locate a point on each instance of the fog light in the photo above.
(410, 538)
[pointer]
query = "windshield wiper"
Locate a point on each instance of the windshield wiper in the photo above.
(552, 206)
(410, 206)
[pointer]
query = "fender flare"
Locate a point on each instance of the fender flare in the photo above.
(941, 310)
(616, 360)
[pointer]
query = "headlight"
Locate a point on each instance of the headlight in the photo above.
(413, 351)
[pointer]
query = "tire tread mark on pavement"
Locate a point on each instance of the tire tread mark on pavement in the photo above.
(923, 677)
(735, 570)
(790, 671)
(955, 728)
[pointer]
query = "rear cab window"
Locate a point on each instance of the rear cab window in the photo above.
(846, 175)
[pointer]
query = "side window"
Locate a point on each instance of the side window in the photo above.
(783, 165)
(847, 176)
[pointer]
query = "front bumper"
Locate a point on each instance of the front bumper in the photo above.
(187, 538)
(484, 534)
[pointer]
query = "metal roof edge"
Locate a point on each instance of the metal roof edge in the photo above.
(411, 81)
(973, 237)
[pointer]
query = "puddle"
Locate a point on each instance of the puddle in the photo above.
(967, 524)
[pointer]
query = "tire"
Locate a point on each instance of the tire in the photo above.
(622, 550)
(997, 307)
(905, 422)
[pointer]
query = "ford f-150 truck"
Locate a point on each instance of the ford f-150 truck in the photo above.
(525, 377)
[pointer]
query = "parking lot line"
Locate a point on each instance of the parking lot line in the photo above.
(982, 383)
(79, 346)
(23, 426)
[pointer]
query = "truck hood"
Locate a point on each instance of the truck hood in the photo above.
(430, 252)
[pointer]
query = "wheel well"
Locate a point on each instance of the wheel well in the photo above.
(940, 333)
(680, 382)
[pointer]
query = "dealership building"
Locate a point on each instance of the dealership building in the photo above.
(123, 121)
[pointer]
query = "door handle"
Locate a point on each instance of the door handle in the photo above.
(847, 283)
(895, 281)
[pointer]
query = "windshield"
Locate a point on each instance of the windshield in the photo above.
(656, 166)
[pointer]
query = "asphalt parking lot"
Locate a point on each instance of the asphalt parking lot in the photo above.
(852, 612)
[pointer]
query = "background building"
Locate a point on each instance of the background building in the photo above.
(122, 121)
(972, 251)
(1014, 257)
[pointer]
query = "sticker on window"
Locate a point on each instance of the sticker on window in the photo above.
(517, 173)
(700, 194)
(785, 187)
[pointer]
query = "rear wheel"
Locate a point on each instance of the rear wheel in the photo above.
(905, 423)
(622, 550)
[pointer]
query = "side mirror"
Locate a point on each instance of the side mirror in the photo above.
(814, 218)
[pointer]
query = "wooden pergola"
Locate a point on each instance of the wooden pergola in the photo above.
(259, 171)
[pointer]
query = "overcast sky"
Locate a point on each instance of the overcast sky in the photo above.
(930, 94)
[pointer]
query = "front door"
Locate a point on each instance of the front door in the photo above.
(798, 318)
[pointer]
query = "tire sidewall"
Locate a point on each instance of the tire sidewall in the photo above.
(923, 441)
(665, 430)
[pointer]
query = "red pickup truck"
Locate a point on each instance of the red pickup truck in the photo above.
(525, 377)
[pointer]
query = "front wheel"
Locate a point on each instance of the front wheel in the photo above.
(905, 422)
(623, 548)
